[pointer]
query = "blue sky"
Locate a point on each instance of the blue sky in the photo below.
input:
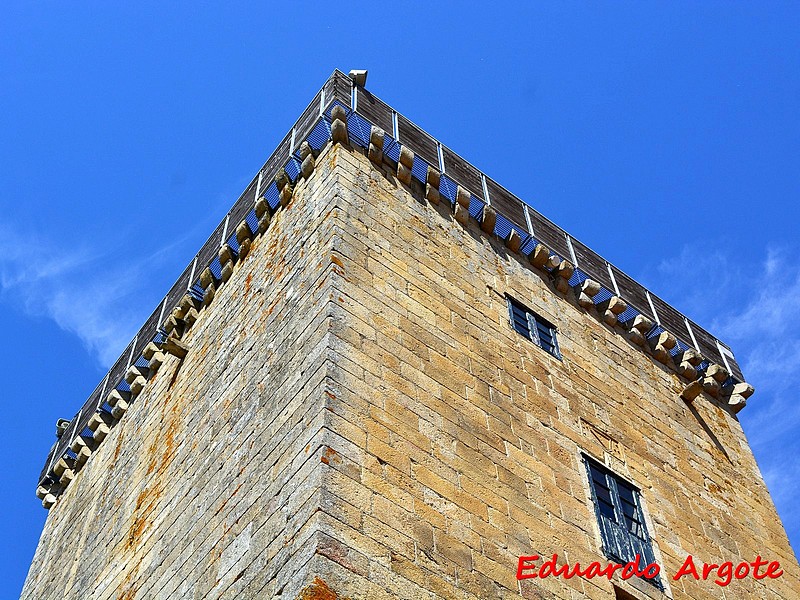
(664, 135)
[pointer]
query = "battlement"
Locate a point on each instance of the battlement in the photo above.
(342, 112)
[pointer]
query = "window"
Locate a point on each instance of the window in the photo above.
(538, 330)
(620, 516)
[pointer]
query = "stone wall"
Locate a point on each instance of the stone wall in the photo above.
(357, 418)
(205, 488)
(463, 441)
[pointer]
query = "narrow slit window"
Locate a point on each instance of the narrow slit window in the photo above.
(533, 327)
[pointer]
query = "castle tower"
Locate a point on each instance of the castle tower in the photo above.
(384, 376)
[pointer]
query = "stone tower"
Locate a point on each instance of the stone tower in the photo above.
(384, 376)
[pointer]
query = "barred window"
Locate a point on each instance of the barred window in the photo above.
(530, 325)
(620, 516)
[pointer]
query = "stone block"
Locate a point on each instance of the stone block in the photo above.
(406, 157)
(149, 350)
(461, 214)
(99, 418)
(176, 347)
(243, 231)
(262, 207)
(120, 409)
(432, 194)
(282, 179)
(244, 248)
(462, 197)
(692, 391)
(489, 220)
(227, 271)
(375, 153)
(101, 432)
(225, 254)
(404, 173)
(306, 150)
(339, 132)
(433, 177)
(376, 137)
(206, 278)
(718, 372)
(513, 241)
(307, 166)
(116, 396)
(539, 256)
(286, 196)
(137, 385)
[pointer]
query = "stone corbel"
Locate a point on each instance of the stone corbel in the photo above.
(225, 255)
(692, 391)
(376, 137)
(339, 126)
(562, 274)
(489, 220)
(686, 363)
(284, 184)
(244, 237)
(611, 308)
(587, 290)
(432, 181)
(309, 160)
(461, 214)
(540, 255)
(661, 345)
(736, 395)
(404, 165)
(640, 326)
(263, 214)
(82, 452)
(463, 197)
(513, 240)
(713, 379)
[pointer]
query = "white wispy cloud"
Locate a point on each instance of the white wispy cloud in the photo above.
(82, 291)
(755, 307)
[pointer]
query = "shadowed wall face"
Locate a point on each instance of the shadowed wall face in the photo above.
(356, 417)
(207, 486)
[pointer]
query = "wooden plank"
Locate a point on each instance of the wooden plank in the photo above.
(507, 204)
(551, 235)
(672, 321)
(307, 120)
(419, 141)
(462, 172)
(632, 292)
(374, 110)
(592, 264)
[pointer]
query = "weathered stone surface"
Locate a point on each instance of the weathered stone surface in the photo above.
(339, 132)
(225, 254)
(513, 241)
(406, 157)
(433, 177)
(376, 137)
(243, 232)
(357, 418)
(539, 256)
(463, 197)
(404, 173)
(461, 214)
(489, 219)
(432, 194)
